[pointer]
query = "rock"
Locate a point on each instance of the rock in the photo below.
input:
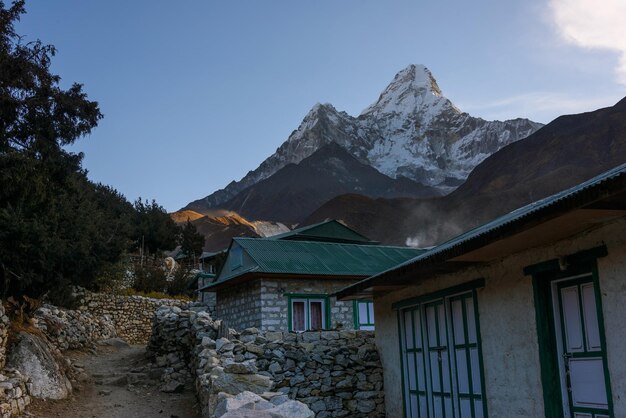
(33, 357)
(246, 400)
(293, 409)
(236, 383)
(114, 342)
(249, 413)
(224, 344)
(173, 386)
(247, 367)
(279, 399)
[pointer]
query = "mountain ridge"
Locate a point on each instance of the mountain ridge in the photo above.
(566, 152)
(411, 130)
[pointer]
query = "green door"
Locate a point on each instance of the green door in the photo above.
(441, 359)
(581, 349)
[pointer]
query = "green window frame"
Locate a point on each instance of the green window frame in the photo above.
(416, 352)
(291, 297)
(366, 321)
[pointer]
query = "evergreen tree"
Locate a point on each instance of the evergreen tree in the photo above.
(154, 230)
(56, 227)
(191, 241)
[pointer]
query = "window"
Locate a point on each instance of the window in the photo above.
(364, 315)
(308, 312)
(441, 358)
(236, 257)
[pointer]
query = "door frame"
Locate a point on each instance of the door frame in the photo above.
(543, 276)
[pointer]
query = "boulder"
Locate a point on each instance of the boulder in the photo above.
(248, 404)
(34, 357)
(293, 409)
(245, 400)
(246, 367)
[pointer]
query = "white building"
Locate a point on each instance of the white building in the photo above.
(522, 317)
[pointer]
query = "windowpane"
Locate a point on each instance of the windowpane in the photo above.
(363, 313)
(370, 309)
(316, 316)
(298, 316)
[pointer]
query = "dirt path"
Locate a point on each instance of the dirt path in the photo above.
(119, 385)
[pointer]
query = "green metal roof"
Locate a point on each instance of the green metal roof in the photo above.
(318, 258)
(328, 231)
(601, 186)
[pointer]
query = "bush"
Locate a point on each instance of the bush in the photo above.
(150, 278)
(177, 285)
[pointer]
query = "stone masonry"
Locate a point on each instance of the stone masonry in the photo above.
(240, 306)
(335, 373)
(14, 395)
(132, 315)
(4, 325)
(263, 303)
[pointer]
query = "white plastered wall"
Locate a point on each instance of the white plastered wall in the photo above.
(508, 327)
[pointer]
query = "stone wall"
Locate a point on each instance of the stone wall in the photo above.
(263, 303)
(4, 325)
(72, 329)
(274, 302)
(13, 385)
(132, 315)
(335, 373)
(14, 397)
(240, 306)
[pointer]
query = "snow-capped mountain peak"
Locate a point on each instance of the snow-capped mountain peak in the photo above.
(413, 91)
(412, 130)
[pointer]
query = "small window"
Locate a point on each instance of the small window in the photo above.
(364, 315)
(236, 257)
(308, 313)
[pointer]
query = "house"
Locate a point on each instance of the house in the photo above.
(286, 282)
(522, 317)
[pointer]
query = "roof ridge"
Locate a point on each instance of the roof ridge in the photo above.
(269, 239)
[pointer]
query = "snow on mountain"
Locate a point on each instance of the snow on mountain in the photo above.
(412, 130)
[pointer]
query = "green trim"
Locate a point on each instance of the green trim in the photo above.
(461, 288)
(400, 334)
(546, 330)
(415, 312)
(356, 315)
(481, 362)
(544, 266)
(600, 316)
(580, 257)
(323, 296)
(546, 338)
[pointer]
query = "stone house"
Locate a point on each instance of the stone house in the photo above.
(286, 282)
(522, 317)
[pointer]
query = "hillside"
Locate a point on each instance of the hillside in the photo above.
(296, 190)
(412, 131)
(565, 152)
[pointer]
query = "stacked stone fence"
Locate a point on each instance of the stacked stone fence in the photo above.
(335, 373)
(132, 315)
(14, 395)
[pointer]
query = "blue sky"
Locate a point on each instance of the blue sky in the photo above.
(196, 93)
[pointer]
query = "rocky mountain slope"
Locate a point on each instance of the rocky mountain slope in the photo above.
(296, 190)
(411, 131)
(565, 152)
(220, 226)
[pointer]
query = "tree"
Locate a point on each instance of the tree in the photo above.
(56, 227)
(155, 231)
(191, 241)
